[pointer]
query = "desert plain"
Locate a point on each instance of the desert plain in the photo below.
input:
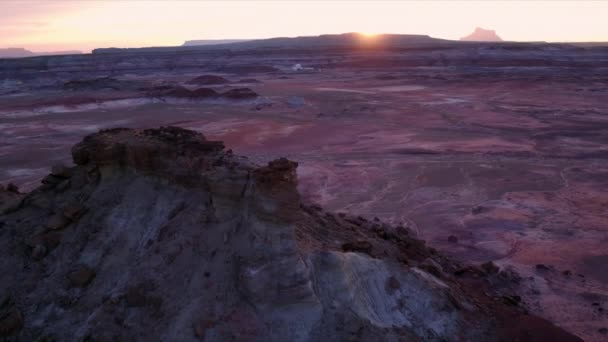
(489, 152)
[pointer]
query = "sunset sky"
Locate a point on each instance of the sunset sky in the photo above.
(85, 24)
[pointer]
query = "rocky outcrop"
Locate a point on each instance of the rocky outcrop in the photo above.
(249, 80)
(11, 320)
(181, 93)
(208, 80)
(161, 234)
(482, 35)
(10, 198)
(178, 92)
(103, 83)
(271, 61)
(21, 52)
(240, 94)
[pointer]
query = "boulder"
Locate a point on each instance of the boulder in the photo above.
(11, 320)
(80, 276)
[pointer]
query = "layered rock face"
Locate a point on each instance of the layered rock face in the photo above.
(160, 234)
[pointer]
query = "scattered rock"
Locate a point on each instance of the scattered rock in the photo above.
(603, 331)
(296, 102)
(181, 93)
(479, 210)
(542, 267)
(386, 77)
(262, 105)
(432, 267)
(57, 222)
(11, 320)
(140, 296)
(208, 80)
(10, 187)
(47, 239)
(469, 271)
(74, 210)
(177, 92)
(392, 285)
(250, 80)
(240, 94)
(93, 84)
(52, 180)
(81, 276)
(201, 328)
(102, 83)
(60, 170)
(135, 296)
(39, 252)
(490, 267)
(357, 246)
(10, 199)
(278, 171)
(203, 93)
(511, 300)
(283, 264)
(509, 275)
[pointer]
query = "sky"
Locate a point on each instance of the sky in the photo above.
(53, 25)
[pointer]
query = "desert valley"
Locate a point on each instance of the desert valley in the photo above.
(494, 153)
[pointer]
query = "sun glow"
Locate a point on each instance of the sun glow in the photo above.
(368, 34)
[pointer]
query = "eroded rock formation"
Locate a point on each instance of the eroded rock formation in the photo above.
(177, 92)
(161, 234)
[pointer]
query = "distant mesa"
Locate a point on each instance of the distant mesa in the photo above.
(482, 35)
(200, 42)
(21, 52)
(345, 40)
(15, 53)
(249, 80)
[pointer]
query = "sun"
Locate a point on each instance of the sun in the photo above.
(368, 34)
